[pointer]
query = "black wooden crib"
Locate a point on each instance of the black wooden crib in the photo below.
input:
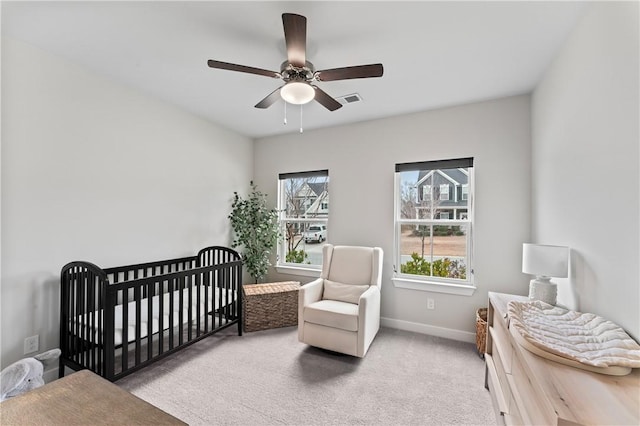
(115, 321)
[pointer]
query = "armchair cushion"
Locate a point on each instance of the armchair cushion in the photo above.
(331, 313)
(354, 265)
(343, 292)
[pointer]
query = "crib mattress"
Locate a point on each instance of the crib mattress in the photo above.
(214, 301)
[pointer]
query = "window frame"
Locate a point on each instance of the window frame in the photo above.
(309, 270)
(455, 286)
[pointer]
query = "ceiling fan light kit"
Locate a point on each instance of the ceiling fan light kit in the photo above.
(297, 92)
(298, 73)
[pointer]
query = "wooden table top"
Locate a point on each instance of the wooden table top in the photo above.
(82, 398)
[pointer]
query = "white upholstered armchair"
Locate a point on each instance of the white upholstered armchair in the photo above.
(340, 311)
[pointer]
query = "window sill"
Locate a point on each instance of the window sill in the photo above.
(297, 270)
(434, 287)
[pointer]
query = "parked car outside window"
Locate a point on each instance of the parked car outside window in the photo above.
(315, 233)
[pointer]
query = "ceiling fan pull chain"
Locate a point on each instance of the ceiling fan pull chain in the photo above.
(285, 113)
(300, 118)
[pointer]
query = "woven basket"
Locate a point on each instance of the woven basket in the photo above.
(270, 305)
(481, 331)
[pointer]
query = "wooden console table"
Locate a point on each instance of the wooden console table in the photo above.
(82, 398)
(528, 389)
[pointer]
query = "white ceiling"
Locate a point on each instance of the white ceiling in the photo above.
(435, 54)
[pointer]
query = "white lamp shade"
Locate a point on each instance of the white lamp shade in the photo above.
(545, 261)
(298, 93)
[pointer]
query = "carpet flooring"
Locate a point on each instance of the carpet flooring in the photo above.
(269, 378)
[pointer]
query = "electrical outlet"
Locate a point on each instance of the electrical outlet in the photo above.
(431, 304)
(31, 344)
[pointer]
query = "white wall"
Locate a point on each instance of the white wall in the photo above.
(585, 162)
(361, 159)
(92, 170)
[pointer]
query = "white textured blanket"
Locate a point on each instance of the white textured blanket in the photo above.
(582, 337)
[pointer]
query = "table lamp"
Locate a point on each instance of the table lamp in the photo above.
(544, 262)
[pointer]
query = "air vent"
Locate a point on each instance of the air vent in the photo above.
(349, 99)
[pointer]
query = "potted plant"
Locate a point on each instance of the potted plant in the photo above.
(256, 231)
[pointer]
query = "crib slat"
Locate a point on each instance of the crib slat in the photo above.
(189, 308)
(109, 332)
(137, 298)
(181, 287)
(125, 329)
(83, 310)
(223, 284)
(161, 294)
(172, 284)
(149, 319)
(92, 318)
(208, 305)
(198, 300)
(72, 313)
(100, 336)
(237, 283)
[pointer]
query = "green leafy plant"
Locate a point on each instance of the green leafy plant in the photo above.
(439, 268)
(416, 266)
(256, 231)
(297, 256)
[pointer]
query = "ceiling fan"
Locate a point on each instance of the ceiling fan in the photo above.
(300, 74)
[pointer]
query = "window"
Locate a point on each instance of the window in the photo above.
(303, 213)
(426, 193)
(444, 191)
(434, 234)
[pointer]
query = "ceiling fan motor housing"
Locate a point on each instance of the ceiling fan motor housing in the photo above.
(290, 72)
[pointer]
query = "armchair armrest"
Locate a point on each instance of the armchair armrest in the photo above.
(308, 293)
(369, 302)
(368, 317)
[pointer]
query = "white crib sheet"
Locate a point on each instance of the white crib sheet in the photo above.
(213, 302)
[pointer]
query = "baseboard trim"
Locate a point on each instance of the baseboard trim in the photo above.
(432, 330)
(50, 375)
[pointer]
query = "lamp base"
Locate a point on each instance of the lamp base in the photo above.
(544, 290)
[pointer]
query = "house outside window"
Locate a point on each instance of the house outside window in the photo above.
(433, 234)
(303, 213)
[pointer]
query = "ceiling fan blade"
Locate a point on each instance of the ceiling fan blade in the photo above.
(325, 100)
(358, 71)
(270, 99)
(242, 68)
(295, 36)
